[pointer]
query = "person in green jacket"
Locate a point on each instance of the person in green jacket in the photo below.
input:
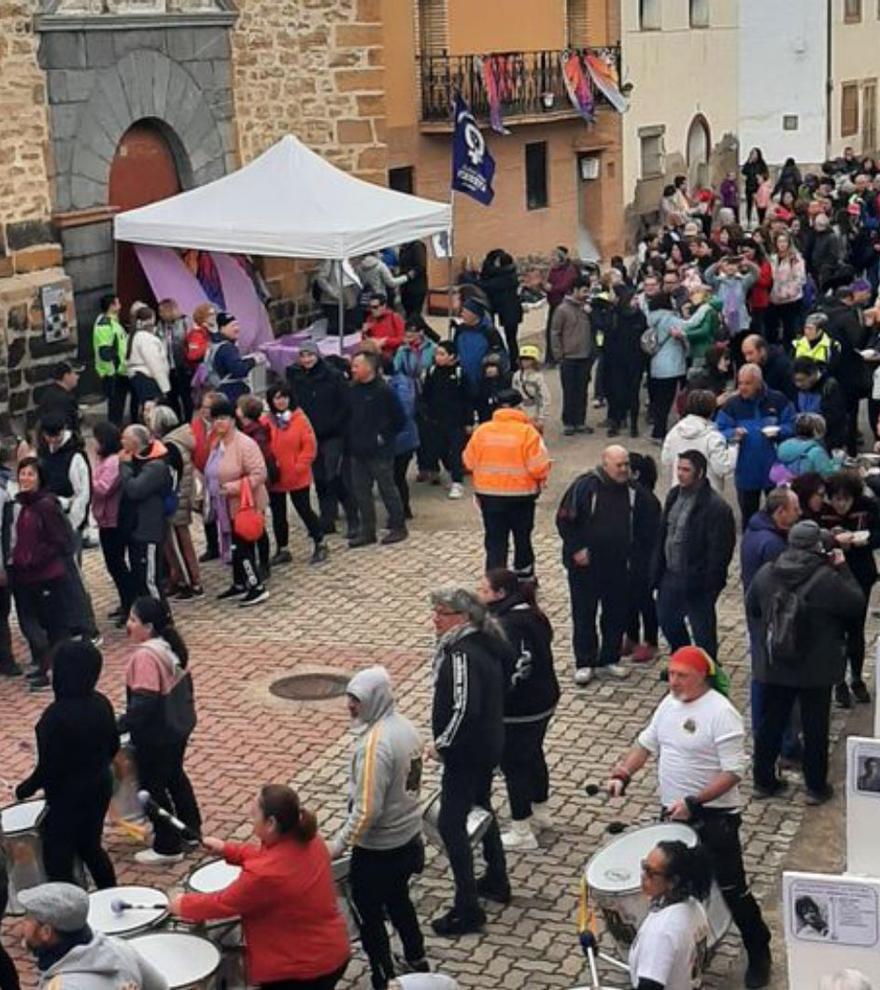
(701, 328)
(110, 342)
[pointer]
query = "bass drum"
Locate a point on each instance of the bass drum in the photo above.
(613, 876)
(186, 961)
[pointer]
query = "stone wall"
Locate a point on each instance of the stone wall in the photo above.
(26, 358)
(313, 69)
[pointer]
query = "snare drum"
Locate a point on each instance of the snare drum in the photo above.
(149, 908)
(186, 961)
(20, 834)
(614, 876)
(478, 822)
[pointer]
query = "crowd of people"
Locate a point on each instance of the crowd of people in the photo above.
(760, 341)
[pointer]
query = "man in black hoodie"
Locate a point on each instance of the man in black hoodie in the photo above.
(76, 743)
(323, 395)
(376, 419)
(467, 723)
(828, 599)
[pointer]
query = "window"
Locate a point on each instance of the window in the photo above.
(849, 109)
(790, 122)
(402, 179)
(649, 15)
(652, 154)
(852, 11)
(536, 176)
(699, 13)
(576, 23)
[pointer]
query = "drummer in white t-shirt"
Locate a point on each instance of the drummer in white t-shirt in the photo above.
(698, 738)
(669, 950)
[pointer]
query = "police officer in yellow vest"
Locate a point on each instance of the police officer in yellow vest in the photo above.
(110, 342)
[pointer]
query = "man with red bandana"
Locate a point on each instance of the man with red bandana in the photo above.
(698, 738)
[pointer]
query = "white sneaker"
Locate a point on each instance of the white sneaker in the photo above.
(520, 836)
(583, 676)
(617, 671)
(149, 857)
(541, 815)
(455, 490)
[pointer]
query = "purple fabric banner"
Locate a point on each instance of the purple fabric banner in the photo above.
(169, 277)
(242, 301)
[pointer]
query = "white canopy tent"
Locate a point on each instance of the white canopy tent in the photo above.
(289, 202)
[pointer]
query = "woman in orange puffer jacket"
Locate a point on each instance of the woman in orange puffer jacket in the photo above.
(293, 445)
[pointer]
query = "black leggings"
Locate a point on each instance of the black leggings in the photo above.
(301, 500)
(74, 830)
(114, 545)
(327, 982)
(160, 769)
(524, 766)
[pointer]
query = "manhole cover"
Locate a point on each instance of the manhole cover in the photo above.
(310, 687)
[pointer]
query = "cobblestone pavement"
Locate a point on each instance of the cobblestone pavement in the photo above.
(370, 606)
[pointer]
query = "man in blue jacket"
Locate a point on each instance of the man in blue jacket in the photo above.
(757, 418)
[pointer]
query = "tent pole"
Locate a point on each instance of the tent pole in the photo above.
(341, 306)
(449, 259)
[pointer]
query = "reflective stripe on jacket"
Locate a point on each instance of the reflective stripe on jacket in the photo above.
(507, 455)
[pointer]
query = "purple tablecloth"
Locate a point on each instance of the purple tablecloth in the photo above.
(282, 353)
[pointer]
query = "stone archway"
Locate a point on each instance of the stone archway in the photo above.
(143, 84)
(697, 150)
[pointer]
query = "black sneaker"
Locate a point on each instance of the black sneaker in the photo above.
(361, 541)
(233, 591)
(452, 923)
(282, 557)
(779, 786)
(403, 965)
(10, 669)
(860, 693)
(583, 429)
(842, 696)
(758, 970)
(815, 798)
(256, 596)
(185, 594)
(500, 893)
(319, 554)
(394, 536)
(209, 555)
(38, 683)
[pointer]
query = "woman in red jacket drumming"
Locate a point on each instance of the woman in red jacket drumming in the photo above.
(295, 936)
(293, 445)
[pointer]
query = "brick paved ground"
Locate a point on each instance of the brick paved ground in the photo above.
(370, 606)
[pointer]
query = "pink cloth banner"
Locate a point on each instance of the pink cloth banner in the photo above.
(244, 303)
(169, 277)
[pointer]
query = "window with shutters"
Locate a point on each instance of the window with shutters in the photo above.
(577, 23)
(536, 176)
(432, 27)
(849, 109)
(651, 149)
(650, 18)
(699, 13)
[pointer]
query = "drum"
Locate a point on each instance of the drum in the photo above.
(341, 873)
(614, 876)
(478, 822)
(186, 961)
(125, 804)
(23, 848)
(149, 908)
(225, 933)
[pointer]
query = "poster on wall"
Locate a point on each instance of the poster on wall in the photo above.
(831, 911)
(864, 768)
(55, 325)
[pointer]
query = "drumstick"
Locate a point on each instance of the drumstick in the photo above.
(117, 906)
(149, 805)
(612, 828)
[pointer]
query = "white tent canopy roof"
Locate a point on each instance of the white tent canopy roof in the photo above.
(289, 202)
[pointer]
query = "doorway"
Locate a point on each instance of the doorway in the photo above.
(698, 152)
(869, 118)
(143, 171)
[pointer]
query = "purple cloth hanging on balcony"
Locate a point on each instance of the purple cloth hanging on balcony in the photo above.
(578, 84)
(494, 72)
(603, 72)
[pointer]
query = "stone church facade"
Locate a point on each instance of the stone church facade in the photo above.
(215, 83)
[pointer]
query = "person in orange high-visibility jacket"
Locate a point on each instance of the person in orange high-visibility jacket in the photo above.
(510, 466)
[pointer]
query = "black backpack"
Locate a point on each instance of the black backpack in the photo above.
(784, 631)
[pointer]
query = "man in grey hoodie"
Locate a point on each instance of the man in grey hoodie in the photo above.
(70, 956)
(384, 824)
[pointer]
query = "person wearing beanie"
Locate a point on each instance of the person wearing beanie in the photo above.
(70, 956)
(472, 336)
(698, 739)
(76, 742)
(799, 608)
(223, 368)
(510, 467)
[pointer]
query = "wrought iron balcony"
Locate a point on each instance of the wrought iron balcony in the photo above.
(533, 85)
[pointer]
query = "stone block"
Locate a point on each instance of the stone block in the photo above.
(33, 259)
(89, 164)
(210, 43)
(80, 84)
(112, 111)
(26, 233)
(359, 80)
(17, 319)
(91, 271)
(369, 11)
(354, 132)
(100, 52)
(64, 120)
(16, 352)
(203, 73)
(161, 78)
(93, 238)
(131, 41)
(222, 73)
(370, 106)
(85, 193)
(40, 348)
(357, 35)
(344, 59)
(18, 402)
(6, 267)
(63, 50)
(41, 374)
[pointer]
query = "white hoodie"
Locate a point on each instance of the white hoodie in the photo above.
(149, 357)
(696, 433)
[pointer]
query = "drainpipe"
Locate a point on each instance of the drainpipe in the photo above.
(829, 75)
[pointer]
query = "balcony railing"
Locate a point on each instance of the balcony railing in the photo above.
(533, 81)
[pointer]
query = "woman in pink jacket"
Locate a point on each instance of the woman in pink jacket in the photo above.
(235, 461)
(106, 497)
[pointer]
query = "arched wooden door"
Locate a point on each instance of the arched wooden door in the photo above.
(143, 171)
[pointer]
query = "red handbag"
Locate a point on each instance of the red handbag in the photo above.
(249, 523)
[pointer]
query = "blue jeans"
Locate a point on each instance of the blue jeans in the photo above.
(679, 607)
